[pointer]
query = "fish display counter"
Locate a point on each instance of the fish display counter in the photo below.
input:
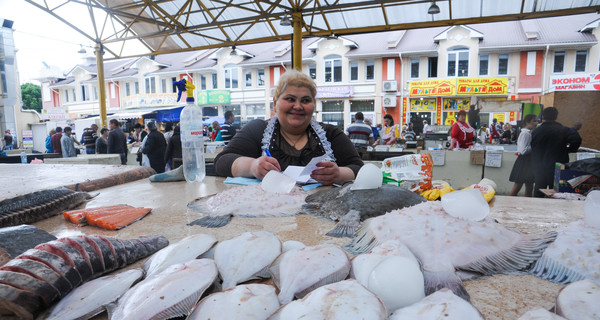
(501, 296)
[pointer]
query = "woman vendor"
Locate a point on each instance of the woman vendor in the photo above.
(462, 132)
(291, 137)
(390, 133)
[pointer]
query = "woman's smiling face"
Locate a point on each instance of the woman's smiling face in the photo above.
(295, 108)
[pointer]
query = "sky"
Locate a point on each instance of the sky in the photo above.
(41, 38)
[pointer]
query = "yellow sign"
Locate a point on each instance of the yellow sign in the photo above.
(484, 86)
(422, 105)
(450, 118)
(428, 88)
(499, 116)
(456, 104)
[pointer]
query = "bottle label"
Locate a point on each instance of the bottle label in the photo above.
(196, 132)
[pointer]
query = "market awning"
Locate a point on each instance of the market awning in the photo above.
(166, 114)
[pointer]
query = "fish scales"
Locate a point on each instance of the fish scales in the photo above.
(103, 250)
(43, 263)
(39, 205)
(351, 207)
(23, 281)
(443, 244)
(17, 239)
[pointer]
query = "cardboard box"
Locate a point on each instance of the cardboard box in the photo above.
(478, 157)
(562, 177)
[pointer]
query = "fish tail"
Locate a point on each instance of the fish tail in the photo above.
(212, 221)
(549, 269)
(519, 257)
(435, 281)
(363, 241)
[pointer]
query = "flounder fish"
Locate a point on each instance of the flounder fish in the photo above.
(249, 302)
(386, 268)
(579, 300)
(443, 244)
(246, 257)
(337, 301)
(351, 207)
(246, 201)
(575, 255)
(442, 304)
(184, 250)
(168, 294)
(92, 297)
(299, 271)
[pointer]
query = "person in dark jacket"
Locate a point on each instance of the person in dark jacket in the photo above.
(551, 142)
(101, 142)
(89, 137)
(55, 140)
(117, 142)
(155, 147)
(173, 152)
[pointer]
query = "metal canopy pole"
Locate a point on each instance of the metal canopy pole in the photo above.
(297, 41)
(101, 89)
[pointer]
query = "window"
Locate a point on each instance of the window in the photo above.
(248, 78)
(136, 86)
(113, 90)
(150, 85)
(202, 82)
(260, 81)
(95, 93)
(353, 71)
(236, 109)
(503, 64)
(580, 61)
(391, 69)
(333, 113)
(370, 70)
(66, 95)
(458, 63)
(312, 71)
(432, 66)
(231, 77)
(484, 62)
(73, 95)
(531, 63)
(163, 85)
(173, 86)
(255, 111)
(367, 107)
(414, 68)
(559, 62)
(333, 69)
(214, 81)
(85, 95)
(127, 89)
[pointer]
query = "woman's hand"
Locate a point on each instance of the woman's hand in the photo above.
(262, 165)
(329, 173)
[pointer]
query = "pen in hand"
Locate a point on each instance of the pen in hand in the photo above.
(268, 153)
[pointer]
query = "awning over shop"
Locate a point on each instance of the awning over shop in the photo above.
(167, 114)
(500, 106)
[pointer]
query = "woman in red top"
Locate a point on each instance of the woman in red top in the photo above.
(462, 132)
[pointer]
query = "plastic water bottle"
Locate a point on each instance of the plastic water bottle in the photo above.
(192, 142)
(23, 157)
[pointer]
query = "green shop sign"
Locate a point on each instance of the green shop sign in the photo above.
(214, 97)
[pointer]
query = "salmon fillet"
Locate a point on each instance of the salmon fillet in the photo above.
(78, 216)
(121, 219)
(92, 217)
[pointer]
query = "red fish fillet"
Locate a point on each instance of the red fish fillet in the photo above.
(78, 216)
(121, 219)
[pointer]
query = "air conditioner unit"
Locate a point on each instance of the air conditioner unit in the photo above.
(389, 100)
(272, 92)
(390, 85)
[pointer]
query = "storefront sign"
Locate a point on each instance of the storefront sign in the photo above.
(438, 118)
(456, 104)
(425, 88)
(149, 100)
(575, 82)
(214, 97)
(55, 113)
(335, 92)
(482, 86)
(27, 139)
(422, 105)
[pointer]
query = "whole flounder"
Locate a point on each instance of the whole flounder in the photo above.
(579, 300)
(442, 304)
(337, 301)
(169, 294)
(299, 271)
(246, 201)
(184, 250)
(444, 243)
(91, 298)
(249, 302)
(575, 255)
(351, 207)
(246, 257)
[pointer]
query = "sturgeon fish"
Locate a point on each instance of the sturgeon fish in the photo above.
(40, 276)
(17, 239)
(351, 207)
(444, 244)
(39, 205)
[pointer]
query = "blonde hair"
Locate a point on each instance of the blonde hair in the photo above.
(297, 79)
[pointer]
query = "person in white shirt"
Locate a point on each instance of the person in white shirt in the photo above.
(426, 127)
